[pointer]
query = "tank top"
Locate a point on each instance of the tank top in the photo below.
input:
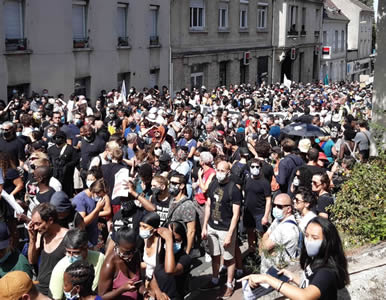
(47, 262)
(200, 196)
(122, 279)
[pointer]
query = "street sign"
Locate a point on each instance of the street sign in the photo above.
(326, 52)
(247, 56)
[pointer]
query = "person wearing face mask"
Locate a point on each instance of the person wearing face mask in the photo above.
(160, 197)
(323, 262)
(77, 282)
(90, 207)
(181, 208)
(321, 186)
(265, 136)
(182, 165)
(257, 204)
(11, 259)
(282, 237)
(10, 144)
(171, 274)
(64, 159)
(91, 146)
(120, 277)
(76, 245)
(222, 213)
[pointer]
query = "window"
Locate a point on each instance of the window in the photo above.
(304, 17)
(82, 86)
(317, 18)
(14, 25)
(223, 17)
(122, 24)
(244, 17)
(153, 80)
(79, 23)
(336, 41)
(293, 19)
(197, 76)
(197, 14)
(262, 16)
(342, 45)
(223, 68)
(123, 77)
(325, 42)
(154, 39)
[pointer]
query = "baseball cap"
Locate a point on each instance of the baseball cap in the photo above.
(15, 284)
(4, 236)
(304, 145)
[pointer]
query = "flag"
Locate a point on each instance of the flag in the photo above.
(123, 96)
(287, 82)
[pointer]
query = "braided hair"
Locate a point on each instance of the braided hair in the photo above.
(82, 273)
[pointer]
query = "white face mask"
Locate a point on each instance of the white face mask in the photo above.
(145, 234)
(89, 183)
(255, 171)
(221, 176)
(196, 158)
(296, 181)
(312, 246)
(158, 152)
(278, 213)
(263, 131)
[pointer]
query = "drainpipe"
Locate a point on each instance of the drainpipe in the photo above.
(272, 42)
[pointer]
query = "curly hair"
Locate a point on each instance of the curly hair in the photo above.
(82, 273)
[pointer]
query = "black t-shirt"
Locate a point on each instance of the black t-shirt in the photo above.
(109, 172)
(171, 285)
(129, 219)
(10, 176)
(325, 280)
(89, 150)
(14, 148)
(45, 197)
(267, 171)
(221, 204)
(256, 190)
(161, 208)
(324, 201)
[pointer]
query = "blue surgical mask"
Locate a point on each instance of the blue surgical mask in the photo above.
(74, 258)
(312, 246)
(278, 213)
(69, 296)
(5, 257)
(176, 247)
(145, 234)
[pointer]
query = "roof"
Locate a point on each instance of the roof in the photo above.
(331, 11)
(362, 5)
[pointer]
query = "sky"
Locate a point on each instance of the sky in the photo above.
(375, 8)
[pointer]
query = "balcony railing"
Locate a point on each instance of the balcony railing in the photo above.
(123, 41)
(154, 40)
(15, 44)
(80, 43)
(293, 31)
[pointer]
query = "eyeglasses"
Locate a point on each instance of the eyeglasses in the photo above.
(281, 206)
(316, 183)
(255, 166)
(297, 200)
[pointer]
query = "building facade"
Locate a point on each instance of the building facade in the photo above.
(359, 37)
(334, 48)
(219, 42)
(82, 46)
(296, 40)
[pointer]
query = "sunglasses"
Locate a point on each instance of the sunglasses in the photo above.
(281, 206)
(316, 183)
(254, 167)
(174, 183)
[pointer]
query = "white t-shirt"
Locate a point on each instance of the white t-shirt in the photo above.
(305, 220)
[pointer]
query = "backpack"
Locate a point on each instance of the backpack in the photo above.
(238, 173)
(300, 239)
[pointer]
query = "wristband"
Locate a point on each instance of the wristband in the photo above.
(281, 284)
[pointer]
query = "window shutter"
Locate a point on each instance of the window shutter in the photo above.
(78, 22)
(13, 20)
(121, 22)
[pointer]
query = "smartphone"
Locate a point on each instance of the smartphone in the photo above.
(137, 283)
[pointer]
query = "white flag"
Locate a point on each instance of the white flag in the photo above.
(287, 82)
(123, 96)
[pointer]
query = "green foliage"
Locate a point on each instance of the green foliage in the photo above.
(359, 210)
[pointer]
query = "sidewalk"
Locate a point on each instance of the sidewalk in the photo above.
(367, 275)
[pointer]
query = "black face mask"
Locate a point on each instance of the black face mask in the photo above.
(8, 135)
(60, 141)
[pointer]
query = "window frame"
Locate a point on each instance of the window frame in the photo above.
(154, 12)
(243, 9)
(84, 6)
(262, 8)
(199, 6)
(125, 7)
(223, 19)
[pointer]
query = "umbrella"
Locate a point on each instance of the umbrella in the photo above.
(303, 130)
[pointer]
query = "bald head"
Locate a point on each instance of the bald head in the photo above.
(283, 199)
(223, 166)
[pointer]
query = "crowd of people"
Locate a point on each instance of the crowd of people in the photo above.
(116, 198)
